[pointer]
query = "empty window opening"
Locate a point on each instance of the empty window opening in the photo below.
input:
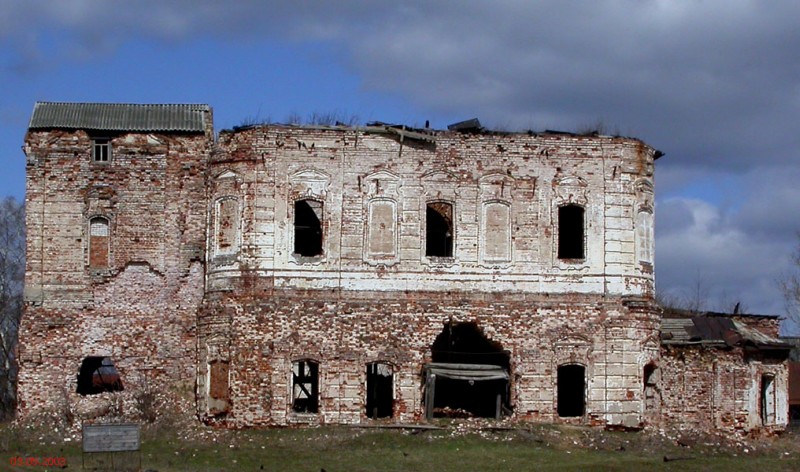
(767, 407)
(570, 232)
(439, 230)
(651, 390)
(308, 228)
(218, 387)
(98, 375)
(469, 376)
(571, 390)
(379, 390)
(305, 387)
(101, 150)
(98, 242)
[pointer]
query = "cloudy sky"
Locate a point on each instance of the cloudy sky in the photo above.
(713, 84)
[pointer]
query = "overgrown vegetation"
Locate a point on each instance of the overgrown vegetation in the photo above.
(334, 118)
(12, 273)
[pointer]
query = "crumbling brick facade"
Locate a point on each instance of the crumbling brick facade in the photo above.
(729, 375)
(331, 274)
(139, 308)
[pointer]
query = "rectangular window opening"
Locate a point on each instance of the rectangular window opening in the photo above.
(571, 383)
(305, 387)
(379, 390)
(308, 228)
(101, 150)
(571, 232)
(439, 230)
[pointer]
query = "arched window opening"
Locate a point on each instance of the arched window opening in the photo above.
(767, 401)
(379, 390)
(98, 375)
(571, 232)
(305, 386)
(308, 228)
(98, 242)
(439, 230)
(469, 375)
(571, 384)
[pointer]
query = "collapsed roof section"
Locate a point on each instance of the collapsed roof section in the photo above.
(716, 330)
(426, 135)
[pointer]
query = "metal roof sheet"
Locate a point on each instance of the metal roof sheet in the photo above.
(120, 116)
(467, 371)
(759, 339)
(715, 330)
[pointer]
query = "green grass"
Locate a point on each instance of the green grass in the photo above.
(539, 448)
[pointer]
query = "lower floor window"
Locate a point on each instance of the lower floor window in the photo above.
(305, 386)
(98, 375)
(571, 390)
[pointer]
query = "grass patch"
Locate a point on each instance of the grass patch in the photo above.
(352, 449)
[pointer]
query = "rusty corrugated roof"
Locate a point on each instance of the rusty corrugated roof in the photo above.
(120, 116)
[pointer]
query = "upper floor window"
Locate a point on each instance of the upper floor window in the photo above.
(571, 232)
(98, 242)
(226, 235)
(439, 230)
(644, 237)
(496, 232)
(101, 150)
(308, 228)
(381, 229)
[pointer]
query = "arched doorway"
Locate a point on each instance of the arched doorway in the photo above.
(469, 375)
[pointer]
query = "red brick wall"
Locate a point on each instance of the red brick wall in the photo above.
(140, 307)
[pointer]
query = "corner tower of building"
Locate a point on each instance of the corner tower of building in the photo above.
(116, 228)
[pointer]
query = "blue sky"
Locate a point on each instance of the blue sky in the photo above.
(714, 84)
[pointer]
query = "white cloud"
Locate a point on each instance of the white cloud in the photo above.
(712, 83)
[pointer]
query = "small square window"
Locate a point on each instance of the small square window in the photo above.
(101, 150)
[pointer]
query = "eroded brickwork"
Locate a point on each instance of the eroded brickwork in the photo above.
(273, 275)
(136, 300)
(709, 389)
(374, 295)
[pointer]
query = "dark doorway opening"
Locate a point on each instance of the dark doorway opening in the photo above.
(308, 228)
(379, 390)
(439, 230)
(571, 390)
(98, 375)
(469, 375)
(570, 232)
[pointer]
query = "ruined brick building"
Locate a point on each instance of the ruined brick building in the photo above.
(281, 275)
